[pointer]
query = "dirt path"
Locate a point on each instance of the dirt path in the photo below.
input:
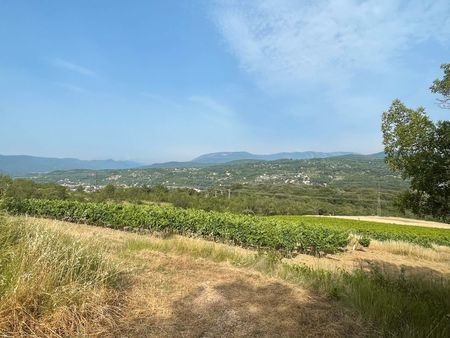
(395, 220)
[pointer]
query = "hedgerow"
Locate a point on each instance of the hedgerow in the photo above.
(244, 230)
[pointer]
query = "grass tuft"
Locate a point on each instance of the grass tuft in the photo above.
(52, 284)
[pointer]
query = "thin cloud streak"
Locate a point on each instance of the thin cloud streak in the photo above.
(64, 64)
(161, 100)
(212, 105)
(71, 87)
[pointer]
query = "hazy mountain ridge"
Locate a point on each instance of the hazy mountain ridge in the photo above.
(223, 157)
(18, 165)
(233, 156)
(21, 165)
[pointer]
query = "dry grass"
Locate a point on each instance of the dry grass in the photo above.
(51, 285)
(433, 254)
(178, 296)
(186, 287)
(391, 258)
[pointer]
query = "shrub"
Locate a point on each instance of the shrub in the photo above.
(364, 241)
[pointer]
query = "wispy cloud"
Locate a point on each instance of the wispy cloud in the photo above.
(161, 100)
(212, 105)
(71, 87)
(287, 42)
(216, 113)
(68, 65)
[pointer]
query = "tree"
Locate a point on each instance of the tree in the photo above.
(442, 87)
(419, 149)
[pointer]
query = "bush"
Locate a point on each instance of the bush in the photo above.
(364, 241)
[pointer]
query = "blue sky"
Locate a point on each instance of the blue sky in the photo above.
(169, 80)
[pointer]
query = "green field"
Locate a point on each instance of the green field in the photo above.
(375, 230)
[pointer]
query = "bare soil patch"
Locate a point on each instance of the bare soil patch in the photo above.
(182, 297)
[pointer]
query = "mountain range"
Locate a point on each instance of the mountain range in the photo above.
(226, 157)
(21, 165)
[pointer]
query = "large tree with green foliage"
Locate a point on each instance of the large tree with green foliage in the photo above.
(442, 87)
(419, 149)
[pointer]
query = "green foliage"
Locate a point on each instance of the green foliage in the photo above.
(24, 188)
(420, 150)
(5, 183)
(252, 231)
(380, 231)
(261, 199)
(364, 241)
(442, 86)
(254, 199)
(336, 172)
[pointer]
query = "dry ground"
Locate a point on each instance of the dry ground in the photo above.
(178, 296)
(174, 292)
(172, 295)
(391, 257)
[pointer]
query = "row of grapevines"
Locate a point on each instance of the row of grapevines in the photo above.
(424, 236)
(251, 231)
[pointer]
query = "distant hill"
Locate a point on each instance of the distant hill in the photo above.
(22, 165)
(175, 164)
(224, 157)
(380, 155)
(207, 160)
(350, 171)
(19, 165)
(375, 156)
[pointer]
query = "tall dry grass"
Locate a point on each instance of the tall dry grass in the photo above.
(54, 285)
(435, 253)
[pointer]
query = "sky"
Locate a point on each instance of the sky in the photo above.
(168, 80)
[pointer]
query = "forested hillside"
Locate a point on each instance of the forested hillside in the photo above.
(347, 171)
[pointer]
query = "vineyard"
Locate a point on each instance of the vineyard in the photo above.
(287, 234)
(375, 230)
(244, 230)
